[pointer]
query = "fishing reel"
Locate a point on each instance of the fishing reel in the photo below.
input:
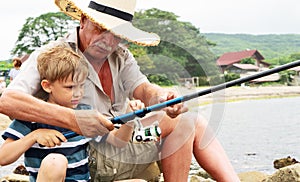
(143, 134)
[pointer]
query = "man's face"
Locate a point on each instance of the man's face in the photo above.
(99, 42)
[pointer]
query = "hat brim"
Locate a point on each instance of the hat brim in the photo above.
(117, 26)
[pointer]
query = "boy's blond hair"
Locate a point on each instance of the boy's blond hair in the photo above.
(59, 62)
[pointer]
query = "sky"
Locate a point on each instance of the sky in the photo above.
(210, 16)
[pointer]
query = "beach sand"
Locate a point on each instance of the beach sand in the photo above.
(241, 93)
(261, 92)
(4, 121)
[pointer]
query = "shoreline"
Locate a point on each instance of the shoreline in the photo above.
(234, 94)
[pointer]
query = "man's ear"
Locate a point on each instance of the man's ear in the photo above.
(83, 20)
(46, 85)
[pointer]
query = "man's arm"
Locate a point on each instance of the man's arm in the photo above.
(16, 104)
(25, 107)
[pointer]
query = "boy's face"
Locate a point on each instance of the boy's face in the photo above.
(67, 92)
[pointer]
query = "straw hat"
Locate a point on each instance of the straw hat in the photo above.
(112, 15)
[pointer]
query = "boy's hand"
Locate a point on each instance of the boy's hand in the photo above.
(174, 110)
(136, 105)
(49, 137)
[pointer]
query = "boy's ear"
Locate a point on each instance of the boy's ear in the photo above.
(46, 85)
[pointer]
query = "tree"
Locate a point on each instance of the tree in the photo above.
(182, 52)
(142, 57)
(295, 56)
(40, 30)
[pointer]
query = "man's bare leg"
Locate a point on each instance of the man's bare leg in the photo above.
(177, 149)
(188, 134)
(212, 157)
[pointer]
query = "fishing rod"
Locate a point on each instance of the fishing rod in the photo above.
(122, 119)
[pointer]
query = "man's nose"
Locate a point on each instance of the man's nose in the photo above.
(109, 38)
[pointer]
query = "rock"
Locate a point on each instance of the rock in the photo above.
(280, 163)
(15, 178)
(289, 173)
(204, 174)
(20, 174)
(21, 170)
(252, 176)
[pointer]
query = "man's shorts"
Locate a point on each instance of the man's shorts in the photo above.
(109, 163)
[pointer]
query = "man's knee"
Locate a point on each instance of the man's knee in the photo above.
(186, 122)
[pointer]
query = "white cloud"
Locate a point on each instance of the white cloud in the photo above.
(13, 15)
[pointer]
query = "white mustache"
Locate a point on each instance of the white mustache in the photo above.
(103, 46)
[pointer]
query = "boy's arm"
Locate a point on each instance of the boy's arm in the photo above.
(122, 136)
(151, 94)
(11, 150)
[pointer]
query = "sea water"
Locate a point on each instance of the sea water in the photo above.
(254, 133)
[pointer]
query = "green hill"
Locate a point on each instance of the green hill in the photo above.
(270, 46)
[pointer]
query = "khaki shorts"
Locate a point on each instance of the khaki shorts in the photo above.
(109, 163)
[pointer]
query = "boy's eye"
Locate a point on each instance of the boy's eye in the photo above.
(69, 87)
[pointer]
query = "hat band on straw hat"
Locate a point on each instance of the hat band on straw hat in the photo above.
(111, 11)
(115, 16)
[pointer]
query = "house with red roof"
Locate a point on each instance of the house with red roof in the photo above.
(231, 60)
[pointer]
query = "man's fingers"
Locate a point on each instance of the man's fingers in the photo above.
(92, 123)
(108, 125)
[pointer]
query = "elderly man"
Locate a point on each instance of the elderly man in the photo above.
(114, 77)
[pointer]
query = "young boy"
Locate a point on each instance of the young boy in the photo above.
(48, 157)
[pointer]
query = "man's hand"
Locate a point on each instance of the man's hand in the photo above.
(91, 123)
(174, 110)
